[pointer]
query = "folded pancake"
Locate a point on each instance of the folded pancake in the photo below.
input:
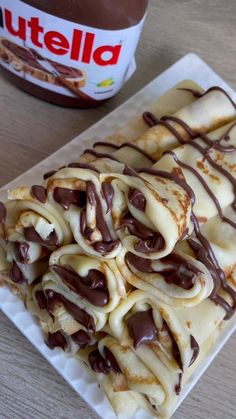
(57, 320)
(79, 291)
(163, 204)
(178, 279)
(154, 348)
(30, 229)
(169, 123)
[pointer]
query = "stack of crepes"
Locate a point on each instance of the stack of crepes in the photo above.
(127, 255)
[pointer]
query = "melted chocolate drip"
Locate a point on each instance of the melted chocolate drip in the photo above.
(49, 174)
(175, 349)
(16, 275)
(81, 338)
(97, 363)
(3, 214)
(41, 300)
(142, 328)
(197, 94)
(31, 235)
(67, 197)
(100, 155)
(103, 365)
(111, 361)
(137, 199)
(150, 240)
(106, 144)
(108, 193)
(40, 193)
(178, 386)
(92, 287)
(21, 251)
(150, 119)
(182, 273)
(196, 349)
(78, 313)
(56, 340)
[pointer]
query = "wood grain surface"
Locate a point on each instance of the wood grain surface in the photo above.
(30, 130)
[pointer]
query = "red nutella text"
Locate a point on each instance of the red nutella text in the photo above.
(81, 48)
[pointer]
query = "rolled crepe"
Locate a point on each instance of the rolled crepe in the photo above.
(154, 348)
(156, 210)
(178, 279)
(81, 290)
(30, 229)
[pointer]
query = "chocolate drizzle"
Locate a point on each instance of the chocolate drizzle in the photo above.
(108, 194)
(40, 193)
(107, 244)
(16, 275)
(142, 329)
(92, 287)
(197, 94)
(150, 240)
(103, 365)
(150, 119)
(41, 300)
(31, 235)
(178, 386)
(22, 252)
(3, 214)
(100, 155)
(137, 199)
(196, 349)
(67, 197)
(56, 340)
(80, 315)
(182, 273)
(81, 338)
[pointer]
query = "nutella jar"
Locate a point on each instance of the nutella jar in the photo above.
(70, 52)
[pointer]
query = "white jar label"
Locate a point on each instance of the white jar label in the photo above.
(63, 56)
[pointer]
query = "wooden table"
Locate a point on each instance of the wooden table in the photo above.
(31, 130)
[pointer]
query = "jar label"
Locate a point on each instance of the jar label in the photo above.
(62, 56)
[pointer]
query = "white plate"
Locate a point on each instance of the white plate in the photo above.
(189, 67)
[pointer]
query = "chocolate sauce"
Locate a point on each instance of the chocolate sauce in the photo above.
(92, 287)
(16, 275)
(142, 329)
(197, 94)
(108, 194)
(103, 365)
(182, 273)
(80, 315)
(81, 338)
(3, 214)
(137, 199)
(205, 186)
(40, 193)
(106, 144)
(22, 252)
(41, 300)
(31, 235)
(97, 363)
(100, 155)
(67, 197)
(150, 240)
(56, 340)
(175, 348)
(128, 171)
(49, 174)
(196, 349)
(178, 386)
(107, 244)
(150, 119)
